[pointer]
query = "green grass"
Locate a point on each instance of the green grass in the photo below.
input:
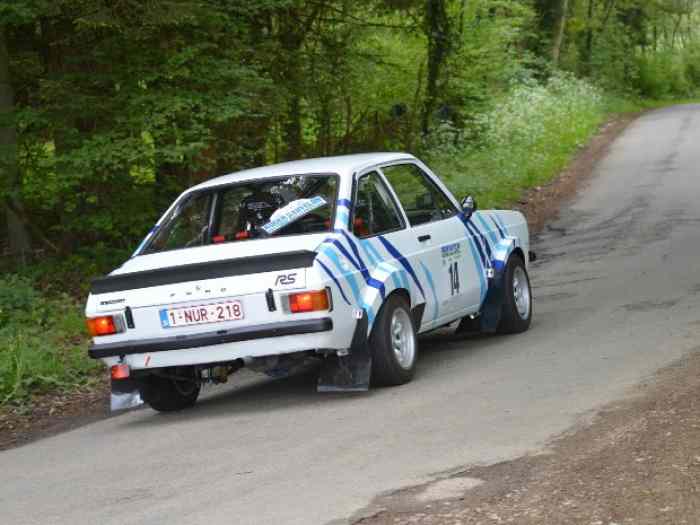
(43, 345)
(620, 105)
(526, 139)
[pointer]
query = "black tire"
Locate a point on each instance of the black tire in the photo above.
(165, 394)
(514, 321)
(387, 370)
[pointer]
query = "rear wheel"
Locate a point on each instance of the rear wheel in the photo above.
(394, 344)
(516, 314)
(177, 391)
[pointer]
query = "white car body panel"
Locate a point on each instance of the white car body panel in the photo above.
(360, 273)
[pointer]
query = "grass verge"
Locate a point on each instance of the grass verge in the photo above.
(526, 139)
(43, 347)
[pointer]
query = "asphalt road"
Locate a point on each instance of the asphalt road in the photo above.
(617, 294)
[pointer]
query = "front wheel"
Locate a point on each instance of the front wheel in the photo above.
(394, 344)
(516, 313)
(173, 392)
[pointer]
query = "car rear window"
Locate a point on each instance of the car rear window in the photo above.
(294, 205)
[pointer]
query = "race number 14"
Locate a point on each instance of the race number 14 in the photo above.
(454, 278)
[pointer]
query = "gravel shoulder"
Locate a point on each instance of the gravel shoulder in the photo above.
(52, 414)
(634, 461)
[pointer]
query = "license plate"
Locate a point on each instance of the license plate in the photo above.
(204, 314)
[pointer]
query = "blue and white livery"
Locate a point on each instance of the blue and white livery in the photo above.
(345, 259)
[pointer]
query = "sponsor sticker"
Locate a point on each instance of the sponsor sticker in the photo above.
(292, 212)
(450, 253)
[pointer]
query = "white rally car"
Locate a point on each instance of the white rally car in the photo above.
(344, 259)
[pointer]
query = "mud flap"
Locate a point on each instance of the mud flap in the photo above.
(125, 394)
(349, 373)
(493, 306)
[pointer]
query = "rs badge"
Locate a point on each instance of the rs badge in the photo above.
(289, 280)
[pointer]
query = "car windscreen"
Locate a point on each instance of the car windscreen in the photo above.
(293, 205)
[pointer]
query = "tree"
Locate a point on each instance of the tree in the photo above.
(437, 31)
(17, 235)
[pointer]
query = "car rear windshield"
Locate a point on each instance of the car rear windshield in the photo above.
(294, 205)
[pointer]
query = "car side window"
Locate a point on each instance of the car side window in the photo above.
(375, 211)
(421, 199)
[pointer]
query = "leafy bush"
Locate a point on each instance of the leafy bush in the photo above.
(42, 342)
(18, 299)
(522, 141)
(664, 76)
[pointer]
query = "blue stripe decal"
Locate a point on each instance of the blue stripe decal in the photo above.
(349, 277)
(499, 265)
(484, 264)
(337, 283)
(344, 252)
(503, 224)
(402, 260)
(498, 226)
(342, 216)
(344, 202)
(396, 279)
(370, 256)
(477, 233)
(353, 247)
(374, 283)
(359, 265)
(479, 270)
(486, 227)
(404, 281)
(375, 258)
(378, 285)
(432, 288)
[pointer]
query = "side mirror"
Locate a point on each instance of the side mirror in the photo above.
(468, 206)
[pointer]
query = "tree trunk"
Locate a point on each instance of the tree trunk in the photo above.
(559, 29)
(437, 30)
(588, 53)
(17, 235)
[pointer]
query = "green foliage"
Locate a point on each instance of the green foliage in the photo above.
(18, 300)
(42, 342)
(119, 106)
(521, 142)
(664, 76)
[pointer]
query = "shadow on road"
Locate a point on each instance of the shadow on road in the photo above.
(259, 393)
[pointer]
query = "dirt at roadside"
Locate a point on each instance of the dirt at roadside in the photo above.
(637, 462)
(55, 413)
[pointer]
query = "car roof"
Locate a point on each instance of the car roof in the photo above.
(343, 165)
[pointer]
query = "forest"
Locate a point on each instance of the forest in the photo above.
(110, 108)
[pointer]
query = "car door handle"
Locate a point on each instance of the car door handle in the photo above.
(424, 238)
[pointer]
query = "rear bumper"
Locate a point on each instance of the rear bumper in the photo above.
(247, 333)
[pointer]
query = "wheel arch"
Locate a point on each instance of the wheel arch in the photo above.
(402, 292)
(519, 252)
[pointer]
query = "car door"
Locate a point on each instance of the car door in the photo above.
(444, 246)
(382, 229)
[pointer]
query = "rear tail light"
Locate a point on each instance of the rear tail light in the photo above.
(104, 325)
(120, 371)
(309, 301)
